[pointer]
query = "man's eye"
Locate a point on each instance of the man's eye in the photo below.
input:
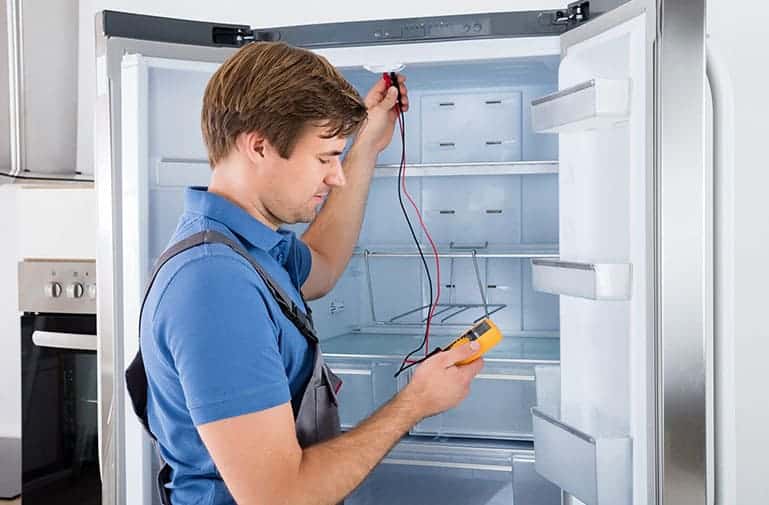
(323, 161)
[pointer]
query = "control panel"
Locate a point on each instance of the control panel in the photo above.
(434, 29)
(58, 286)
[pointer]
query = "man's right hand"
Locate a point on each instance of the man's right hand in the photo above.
(439, 384)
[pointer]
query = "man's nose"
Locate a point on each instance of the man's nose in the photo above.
(336, 176)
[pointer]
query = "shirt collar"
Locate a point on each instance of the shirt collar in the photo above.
(199, 201)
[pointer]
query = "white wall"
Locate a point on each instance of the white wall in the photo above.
(51, 221)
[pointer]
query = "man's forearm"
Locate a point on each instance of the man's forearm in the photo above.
(331, 470)
(335, 230)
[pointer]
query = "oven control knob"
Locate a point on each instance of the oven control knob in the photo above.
(75, 290)
(53, 290)
(92, 291)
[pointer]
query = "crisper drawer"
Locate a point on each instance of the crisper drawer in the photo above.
(530, 488)
(366, 385)
(425, 473)
(498, 406)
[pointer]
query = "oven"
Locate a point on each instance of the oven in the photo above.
(59, 435)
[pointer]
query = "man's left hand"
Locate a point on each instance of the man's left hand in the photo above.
(381, 101)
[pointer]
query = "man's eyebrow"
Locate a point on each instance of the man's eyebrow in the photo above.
(330, 153)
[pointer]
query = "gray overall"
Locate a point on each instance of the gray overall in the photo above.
(315, 411)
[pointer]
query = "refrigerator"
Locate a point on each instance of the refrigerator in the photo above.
(558, 160)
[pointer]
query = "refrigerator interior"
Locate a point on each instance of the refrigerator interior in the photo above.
(500, 206)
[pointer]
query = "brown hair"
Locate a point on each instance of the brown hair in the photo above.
(277, 90)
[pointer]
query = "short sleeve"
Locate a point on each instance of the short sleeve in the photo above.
(299, 261)
(222, 339)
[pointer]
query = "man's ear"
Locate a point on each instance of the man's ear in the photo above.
(252, 145)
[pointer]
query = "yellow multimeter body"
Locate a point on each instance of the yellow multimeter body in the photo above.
(485, 332)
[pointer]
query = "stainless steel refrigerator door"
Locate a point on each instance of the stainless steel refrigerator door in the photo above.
(116, 346)
(679, 275)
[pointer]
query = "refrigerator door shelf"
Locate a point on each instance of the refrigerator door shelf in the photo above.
(597, 470)
(595, 281)
(597, 103)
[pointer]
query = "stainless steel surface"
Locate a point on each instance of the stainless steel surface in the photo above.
(45, 286)
(42, 45)
(110, 456)
(10, 468)
(16, 85)
(110, 321)
(681, 252)
(61, 340)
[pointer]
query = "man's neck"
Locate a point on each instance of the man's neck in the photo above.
(225, 183)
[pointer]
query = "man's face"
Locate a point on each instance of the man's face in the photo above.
(297, 186)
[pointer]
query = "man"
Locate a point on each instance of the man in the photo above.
(237, 394)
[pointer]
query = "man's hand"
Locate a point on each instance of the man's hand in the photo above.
(438, 384)
(377, 131)
(259, 456)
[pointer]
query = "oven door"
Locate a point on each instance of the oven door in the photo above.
(59, 418)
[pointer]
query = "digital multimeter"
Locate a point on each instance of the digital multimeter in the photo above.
(485, 332)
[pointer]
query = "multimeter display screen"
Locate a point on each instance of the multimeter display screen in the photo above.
(479, 330)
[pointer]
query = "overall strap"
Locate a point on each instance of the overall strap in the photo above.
(135, 374)
(302, 321)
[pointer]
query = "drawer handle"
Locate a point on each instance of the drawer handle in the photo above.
(350, 371)
(439, 464)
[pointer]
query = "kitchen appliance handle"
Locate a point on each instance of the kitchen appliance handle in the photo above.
(722, 366)
(62, 340)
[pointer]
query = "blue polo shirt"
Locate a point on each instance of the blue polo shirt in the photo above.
(215, 342)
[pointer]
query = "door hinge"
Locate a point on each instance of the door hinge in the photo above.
(576, 13)
(237, 36)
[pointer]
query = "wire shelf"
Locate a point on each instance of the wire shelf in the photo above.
(451, 310)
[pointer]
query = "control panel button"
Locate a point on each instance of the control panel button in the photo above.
(92, 291)
(52, 290)
(75, 290)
